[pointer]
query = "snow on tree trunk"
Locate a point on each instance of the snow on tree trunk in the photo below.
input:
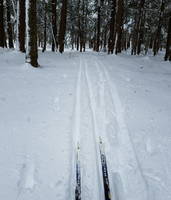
(9, 24)
(17, 31)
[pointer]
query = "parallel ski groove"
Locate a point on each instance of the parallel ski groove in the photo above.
(120, 120)
(104, 171)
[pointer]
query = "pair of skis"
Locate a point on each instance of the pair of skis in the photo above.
(107, 192)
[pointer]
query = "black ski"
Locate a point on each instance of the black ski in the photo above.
(104, 172)
(78, 176)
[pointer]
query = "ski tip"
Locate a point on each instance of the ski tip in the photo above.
(100, 140)
(78, 146)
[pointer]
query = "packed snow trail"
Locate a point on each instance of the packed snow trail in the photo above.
(108, 119)
(83, 132)
(98, 101)
(124, 136)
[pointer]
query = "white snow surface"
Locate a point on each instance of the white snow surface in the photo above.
(75, 99)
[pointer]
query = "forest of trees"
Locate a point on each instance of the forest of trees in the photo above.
(112, 26)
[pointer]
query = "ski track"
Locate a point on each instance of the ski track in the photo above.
(127, 154)
(83, 133)
(98, 113)
(75, 132)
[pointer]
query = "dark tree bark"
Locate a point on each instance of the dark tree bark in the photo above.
(78, 26)
(98, 24)
(45, 26)
(111, 41)
(2, 32)
(32, 51)
(140, 35)
(82, 28)
(22, 26)
(168, 45)
(9, 25)
(119, 26)
(62, 29)
(156, 44)
(138, 29)
(54, 26)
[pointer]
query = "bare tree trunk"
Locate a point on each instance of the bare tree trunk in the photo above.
(32, 51)
(138, 29)
(22, 26)
(54, 26)
(9, 25)
(98, 24)
(2, 32)
(62, 29)
(119, 26)
(111, 41)
(45, 26)
(141, 35)
(156, 44)
(168, 45)
(79, 25)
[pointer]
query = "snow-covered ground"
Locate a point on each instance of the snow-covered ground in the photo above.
(76, 99)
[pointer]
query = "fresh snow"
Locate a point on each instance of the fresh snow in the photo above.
(79, 99)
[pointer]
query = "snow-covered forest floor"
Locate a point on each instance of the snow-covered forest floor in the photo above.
(77, 98)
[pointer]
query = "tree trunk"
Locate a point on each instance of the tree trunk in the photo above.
(22, 25)
(138, 29)
(2, 32)
(45, 26)
(168, 45)
(9, 25)
(98, 24)
(119, 26)
(111, 41)
(62, 29)
(54, 26)
(78, 26)
(156, 44)
(32, 51)
(141, 35)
